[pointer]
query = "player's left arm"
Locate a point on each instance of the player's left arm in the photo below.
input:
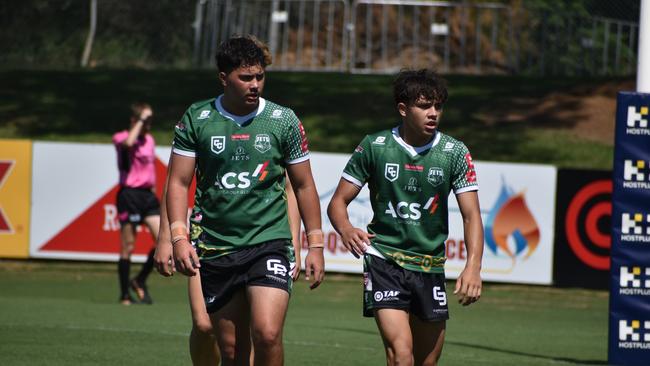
(294, 226)
(304, 188)
(469, 283)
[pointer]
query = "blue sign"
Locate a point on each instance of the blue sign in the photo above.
(629, 304)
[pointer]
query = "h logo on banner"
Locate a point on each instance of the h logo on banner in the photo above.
(633, 117)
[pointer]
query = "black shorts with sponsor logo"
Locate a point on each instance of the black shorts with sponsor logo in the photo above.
(267, 264)
(134, 204)
(389, 286)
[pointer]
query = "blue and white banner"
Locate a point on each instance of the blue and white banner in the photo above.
(629, 308)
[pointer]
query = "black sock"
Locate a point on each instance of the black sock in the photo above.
(123, 268)
(147, 267)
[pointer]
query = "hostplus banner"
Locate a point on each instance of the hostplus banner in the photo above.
(629, 313)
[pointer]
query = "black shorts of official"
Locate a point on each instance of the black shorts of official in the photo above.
(389, 286)
(267, 264)
(134, 204)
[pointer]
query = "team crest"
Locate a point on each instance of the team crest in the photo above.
(217, 144)
(262, 143)
(391, 172)
(435, 176)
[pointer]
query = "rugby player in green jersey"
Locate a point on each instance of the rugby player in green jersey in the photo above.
(240, 146)
(410, 171)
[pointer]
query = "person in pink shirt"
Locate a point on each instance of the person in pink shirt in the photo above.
(136, 200)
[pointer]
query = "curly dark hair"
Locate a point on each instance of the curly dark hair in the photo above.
(409, 85)
(240, 51)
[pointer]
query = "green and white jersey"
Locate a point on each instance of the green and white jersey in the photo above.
(409, 188)
(240, 169)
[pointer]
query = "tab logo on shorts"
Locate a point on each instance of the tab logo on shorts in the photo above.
(262, 143)
(435, 176)
(637, 120)
(391, 172)
(204, 115)
(276, 266)
(217, 144)
(390, 295)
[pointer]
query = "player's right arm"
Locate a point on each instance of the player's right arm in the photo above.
(181, 172)
(164, 256)
(355, 239)
(356, 173)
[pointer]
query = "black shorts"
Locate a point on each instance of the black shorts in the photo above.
(134, 204)
(268, 264)
(389, 286)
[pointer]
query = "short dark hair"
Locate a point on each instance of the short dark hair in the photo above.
(409, 85)
(240, 51)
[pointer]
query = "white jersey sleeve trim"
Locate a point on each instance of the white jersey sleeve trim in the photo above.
(299, 160)
(466, 189)
(374, 252)
(178, 151)
(352, 179)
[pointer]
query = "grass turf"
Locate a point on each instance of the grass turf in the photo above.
(63, 313)
(336, 109)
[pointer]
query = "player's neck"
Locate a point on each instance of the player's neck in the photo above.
(236, 107)
(413, 138)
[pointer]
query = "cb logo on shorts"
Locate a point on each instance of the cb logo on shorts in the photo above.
(439, 295)
(276, 266)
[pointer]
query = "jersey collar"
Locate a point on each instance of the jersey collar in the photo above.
(240, 120)
(412, 150)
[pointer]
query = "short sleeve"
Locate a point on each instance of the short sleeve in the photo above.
(463, 173)
(184, 137)
(357, 171)
(295, 146)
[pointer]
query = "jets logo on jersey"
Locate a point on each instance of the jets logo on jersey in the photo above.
(262, 143)
(204, 115)
(435, 176)
(391, 172)
(217, 144)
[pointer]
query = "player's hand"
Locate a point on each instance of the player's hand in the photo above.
(163, 258)
(356, 240)
(468, 286)
(186, 259)
(315, 267)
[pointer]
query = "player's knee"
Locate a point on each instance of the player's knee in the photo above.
(228, 350)
(400, 354)
(267, 338)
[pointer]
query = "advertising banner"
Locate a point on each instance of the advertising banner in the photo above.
(74, 212)
(15, 183)
(73, 198)
(583, 228)
(629, 307)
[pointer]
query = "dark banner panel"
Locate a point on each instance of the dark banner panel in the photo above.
(629, 304)
(583, 228)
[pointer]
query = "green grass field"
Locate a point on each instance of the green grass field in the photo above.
(63, 313)
(336, 109)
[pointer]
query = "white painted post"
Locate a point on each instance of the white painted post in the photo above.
(643, 65)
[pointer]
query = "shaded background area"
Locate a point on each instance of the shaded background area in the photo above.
(563, 121)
